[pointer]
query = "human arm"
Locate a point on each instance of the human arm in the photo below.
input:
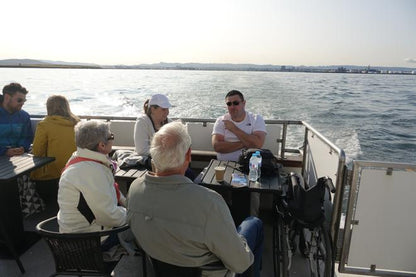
(254, 140)
(253, 134)
(224, 241)
(142, 136)
(15, 134)
(40, 142)
(222, 146)
(26, 136)
(100, 195)
(218, 141)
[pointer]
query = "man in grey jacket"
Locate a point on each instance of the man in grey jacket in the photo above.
(181, 223)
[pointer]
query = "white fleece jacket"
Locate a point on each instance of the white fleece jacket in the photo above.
(96, 183)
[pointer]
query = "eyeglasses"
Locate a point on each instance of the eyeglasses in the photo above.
(235, 103)
(111, 137)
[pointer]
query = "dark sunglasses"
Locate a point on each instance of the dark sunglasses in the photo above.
(111, 137)
(21, 100)
(235, 103)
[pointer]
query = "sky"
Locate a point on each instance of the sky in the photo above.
(278, 32)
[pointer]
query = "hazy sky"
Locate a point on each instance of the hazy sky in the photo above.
(290, 32)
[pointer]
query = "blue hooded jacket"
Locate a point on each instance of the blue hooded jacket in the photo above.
(15, 130)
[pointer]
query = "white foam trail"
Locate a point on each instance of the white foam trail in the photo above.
(348, 140)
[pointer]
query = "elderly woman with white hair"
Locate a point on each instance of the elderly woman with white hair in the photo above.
(87, 196)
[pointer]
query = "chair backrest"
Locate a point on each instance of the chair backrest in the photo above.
(75, 253)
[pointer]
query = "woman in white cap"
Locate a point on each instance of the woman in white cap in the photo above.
(156, 111)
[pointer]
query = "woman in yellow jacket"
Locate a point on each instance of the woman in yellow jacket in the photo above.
(54, 137)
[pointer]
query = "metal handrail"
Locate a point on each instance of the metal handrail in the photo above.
(282, 140)
(339, 184)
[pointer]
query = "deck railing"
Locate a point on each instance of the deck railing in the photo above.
(282, 139)
(323, 158)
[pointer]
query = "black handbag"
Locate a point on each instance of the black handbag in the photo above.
(269, 164)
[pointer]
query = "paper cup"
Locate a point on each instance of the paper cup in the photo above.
(219, 173)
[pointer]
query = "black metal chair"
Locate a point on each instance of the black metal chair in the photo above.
(76, 253)
(162, 269)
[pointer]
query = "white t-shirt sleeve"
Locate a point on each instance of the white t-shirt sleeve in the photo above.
(219, 128)
(259, 124)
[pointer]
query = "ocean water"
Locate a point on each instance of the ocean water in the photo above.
(371, 117)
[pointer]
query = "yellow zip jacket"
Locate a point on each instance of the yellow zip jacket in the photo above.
(54, 137)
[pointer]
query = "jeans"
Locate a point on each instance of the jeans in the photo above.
(111, 241)
(252, 229)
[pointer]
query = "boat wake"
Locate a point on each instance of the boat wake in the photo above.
(348, 140)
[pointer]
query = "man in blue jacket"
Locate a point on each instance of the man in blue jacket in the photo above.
(15, 127)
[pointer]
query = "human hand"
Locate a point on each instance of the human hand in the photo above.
(16, 151)
(229, 125)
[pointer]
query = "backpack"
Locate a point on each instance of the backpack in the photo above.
(269, 164)
(306, 204)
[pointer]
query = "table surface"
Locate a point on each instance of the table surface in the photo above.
(13, 167)
(129, 174)
(207, 177)
(265, 184)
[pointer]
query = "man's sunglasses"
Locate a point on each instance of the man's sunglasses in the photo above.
(234, 103)
(111, 137)
(21, 100)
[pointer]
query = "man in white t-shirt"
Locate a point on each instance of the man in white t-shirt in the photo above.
(237, 129)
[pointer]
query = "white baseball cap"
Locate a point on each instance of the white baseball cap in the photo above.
(161, 100)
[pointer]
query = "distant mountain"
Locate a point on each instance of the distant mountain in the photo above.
(264, 67)
(212, 66)
(44, 63)
(200, 66)
(17, 62)
(71, 63)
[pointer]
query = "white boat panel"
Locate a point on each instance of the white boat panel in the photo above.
(123, 132)
(380, 215)
(201, 135)
(320, 160)
(272, 138)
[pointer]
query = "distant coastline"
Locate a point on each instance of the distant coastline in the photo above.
(50, 66)
(29, 63)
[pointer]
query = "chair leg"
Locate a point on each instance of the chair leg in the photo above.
(6, 240)
(144, 266)
(20, 265)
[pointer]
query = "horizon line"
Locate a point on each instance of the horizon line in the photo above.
(67, 63)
